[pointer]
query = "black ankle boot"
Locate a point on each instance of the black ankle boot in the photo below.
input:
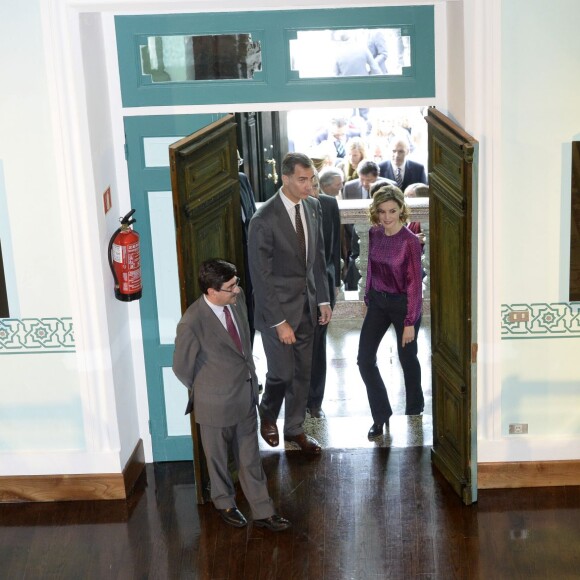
(375, 430)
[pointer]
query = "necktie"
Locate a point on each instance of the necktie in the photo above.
(340, 152)
(300, 232)
(232, 329)
(399, 178)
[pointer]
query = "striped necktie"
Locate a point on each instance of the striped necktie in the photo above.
(300, 232)
(399, 178)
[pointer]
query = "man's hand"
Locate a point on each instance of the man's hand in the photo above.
(285, 333)
(325, 314)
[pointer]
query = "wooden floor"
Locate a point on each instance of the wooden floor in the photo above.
(362, 510)
(357, 514)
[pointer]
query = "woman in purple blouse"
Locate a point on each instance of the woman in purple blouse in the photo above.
(393, 295)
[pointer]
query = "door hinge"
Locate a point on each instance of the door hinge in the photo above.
(126, 152)
(474, 353)
(150, 431)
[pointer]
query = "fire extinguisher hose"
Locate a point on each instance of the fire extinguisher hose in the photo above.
(111, 242)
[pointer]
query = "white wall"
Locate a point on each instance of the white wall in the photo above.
(104, 175)
(40, 402)
(540, 379)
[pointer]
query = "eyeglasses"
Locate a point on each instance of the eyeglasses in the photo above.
(232, 288)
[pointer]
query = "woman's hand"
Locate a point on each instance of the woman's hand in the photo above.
(408, 335)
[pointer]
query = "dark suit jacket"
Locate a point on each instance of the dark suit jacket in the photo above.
(414, 173)
(248, 202)
(208, 363)
(331, 232)
(280, 275)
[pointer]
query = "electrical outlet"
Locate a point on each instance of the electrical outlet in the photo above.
(519, 316)
(518, 429)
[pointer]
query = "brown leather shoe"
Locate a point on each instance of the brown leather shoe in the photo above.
(269, 433)
(307, 444)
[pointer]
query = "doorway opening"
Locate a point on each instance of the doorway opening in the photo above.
(264, 139)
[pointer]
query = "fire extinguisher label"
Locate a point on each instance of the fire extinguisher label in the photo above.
(117, 253)
(133, 279)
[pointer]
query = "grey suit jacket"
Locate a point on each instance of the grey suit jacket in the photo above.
(208, 363)
(353, 189)
(279, 274)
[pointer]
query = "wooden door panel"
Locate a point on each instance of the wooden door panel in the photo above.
(452, 191)
(211, 230)
(448, 298)
(449, 399)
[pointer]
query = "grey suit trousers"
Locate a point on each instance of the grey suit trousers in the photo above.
(243, 440)
(288, 376)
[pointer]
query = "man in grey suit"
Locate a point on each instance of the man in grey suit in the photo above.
(213, 359)
(288, 269)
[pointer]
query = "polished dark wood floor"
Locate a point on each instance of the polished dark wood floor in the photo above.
(357, 514)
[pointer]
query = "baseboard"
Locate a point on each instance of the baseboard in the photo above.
(528, 474)
(82, 487)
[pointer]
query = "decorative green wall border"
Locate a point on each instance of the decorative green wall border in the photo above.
(541, 320)
(36, 335)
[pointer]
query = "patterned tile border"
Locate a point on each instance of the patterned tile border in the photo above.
(36, 335)
(542, 320)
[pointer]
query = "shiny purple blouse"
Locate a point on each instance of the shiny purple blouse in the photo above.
(395, 267)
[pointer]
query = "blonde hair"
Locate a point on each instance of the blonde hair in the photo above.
(388, 193)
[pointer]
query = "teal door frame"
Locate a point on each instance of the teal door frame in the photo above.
(276, 83)
(158, 356)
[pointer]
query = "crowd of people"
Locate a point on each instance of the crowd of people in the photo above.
(293, 253)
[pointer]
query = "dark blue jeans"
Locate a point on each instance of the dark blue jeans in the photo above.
(385, 309)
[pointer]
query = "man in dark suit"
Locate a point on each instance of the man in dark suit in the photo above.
(400, 169)
(248, 206)
(213, 359)
(287, 265)
(331, 232)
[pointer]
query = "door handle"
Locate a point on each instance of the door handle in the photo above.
(273, 176)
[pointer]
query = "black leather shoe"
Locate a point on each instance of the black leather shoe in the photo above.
(316, 413)
(274, 523)
(234, 517)
(375, 430)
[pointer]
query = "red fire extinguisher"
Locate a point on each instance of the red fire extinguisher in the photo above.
(125, 260)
